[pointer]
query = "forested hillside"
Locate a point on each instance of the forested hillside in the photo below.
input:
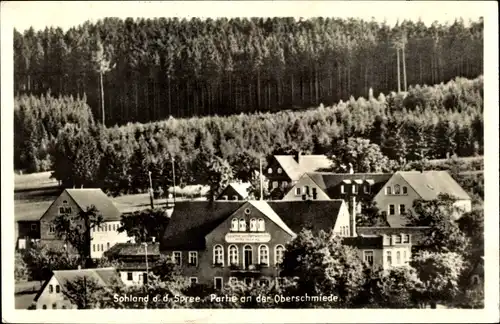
(427, 122)
(155, 68)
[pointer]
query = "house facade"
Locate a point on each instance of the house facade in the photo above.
(214, 242)
(403, 188)
(51, 294)
(235, 191)
(71, 202)
(283, 171)
(383, 251)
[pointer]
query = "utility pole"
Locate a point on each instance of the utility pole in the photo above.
(399, 72)
(151, 190)
(260, 178)
(144, 280)
(102, 97)
(173, 175)
(403, 39)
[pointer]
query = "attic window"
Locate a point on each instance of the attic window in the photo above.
(269, 170)
(405, 190)
(430, 187)
(280, 170)
(247, 211)
(65, 201)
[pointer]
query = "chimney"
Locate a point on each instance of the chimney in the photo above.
(351, 169)
(353, 220)
(297, 156)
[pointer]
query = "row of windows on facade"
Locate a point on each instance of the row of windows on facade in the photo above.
(101, 228)
(368, 257)
(100, 247)
(398, 190)
(219, 281)
(392, 209)
(54, 306)
(398, 239)
(279, 171)
(256, 225)
(313, 191)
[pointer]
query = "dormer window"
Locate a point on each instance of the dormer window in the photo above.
(280, 170)
(269, 170)
(242, 225)
(261, 225)
(224, 197)
(405, 190)
(397, 239)
(366, 189)
(235, 197)
(397, 190)
(406, 238)
(234, 225)
(354, 188)
(342, 189)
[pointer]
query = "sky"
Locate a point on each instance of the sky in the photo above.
(66, 14)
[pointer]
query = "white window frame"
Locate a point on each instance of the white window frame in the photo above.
(269, 170)
(397, 192)
(405, 256)
(52, 228)
(404, 190)
(276, 184)
(280, 170)
(235, 225)
(261, 225)
(221, 254)
(180, 257)
(255, 225)
(266, 249)
(224, 197)
(372, 255)
(237, 257)
(399, 209)
(242, 225)
(191, 253)
(108, 245)
(405, 238)
(388, 190)
(276, 261)
(221, 282)
(236, 196)
(389, 209)
(354, 188)
(298, 191)
(342, 189)
(195, 280)
(398, 257)
(387, 255)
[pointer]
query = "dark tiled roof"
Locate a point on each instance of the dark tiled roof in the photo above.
(192, 220)
(87, 197)
(133, 249)
(307, 163)
(328, 181)
(367, 242)
(418, 234)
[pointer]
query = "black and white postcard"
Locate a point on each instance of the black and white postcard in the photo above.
(260, 161)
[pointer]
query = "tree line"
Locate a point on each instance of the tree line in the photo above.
(149, 69)
(428, 122)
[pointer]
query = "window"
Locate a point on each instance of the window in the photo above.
(264, 282)
(404, 256)
(177, 257)
(145, 278)
(279, 252)
(235, 197)
(58, 289)
(102, 247)
(275, 184)
(253, 225)
(218, 282)
(406, 238)
(388, 190)
(52, 229)
(242, 225)
(269, 170)
(233, 280)
(51, 289)
(129, 276)
(354, 188)
(233, 255)
(264, 254)
(107, 246)
(284, 184)
(391, 210)
(194, 280)
(44, 306)
(366, 189)
(405, 190)
(93, 247)
(402, 209)
(298, 192)
(218, 255)
(389, 258)
(261, 226)
(397, 239)
(224, 197)
(279, 281)
(368, 257)
(234, 224)
(306, 190)
(314, 193)
(398, 257)
(397, 189)
(54, 306)
(33, 227)
(342, 189)
(248, 281)
(63, 307)
(280, 170)
(193, 258)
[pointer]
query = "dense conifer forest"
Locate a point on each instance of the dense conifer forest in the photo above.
(150, 69)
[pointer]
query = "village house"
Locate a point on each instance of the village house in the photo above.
(135, 260)
(72, 202)
(285, 170)
(213, 242)
(51, 295)
(27, 229)
(404, 187)
(235, 191)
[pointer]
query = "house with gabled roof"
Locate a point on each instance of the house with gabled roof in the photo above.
(404, 187)
(71, 202)
(235, 191)
(52, 293)
(285, 170)
(217, 241)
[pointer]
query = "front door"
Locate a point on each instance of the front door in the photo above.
(247, 256)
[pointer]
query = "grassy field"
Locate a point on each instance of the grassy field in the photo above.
(33, 194)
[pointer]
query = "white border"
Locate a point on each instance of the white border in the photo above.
(70, 13)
